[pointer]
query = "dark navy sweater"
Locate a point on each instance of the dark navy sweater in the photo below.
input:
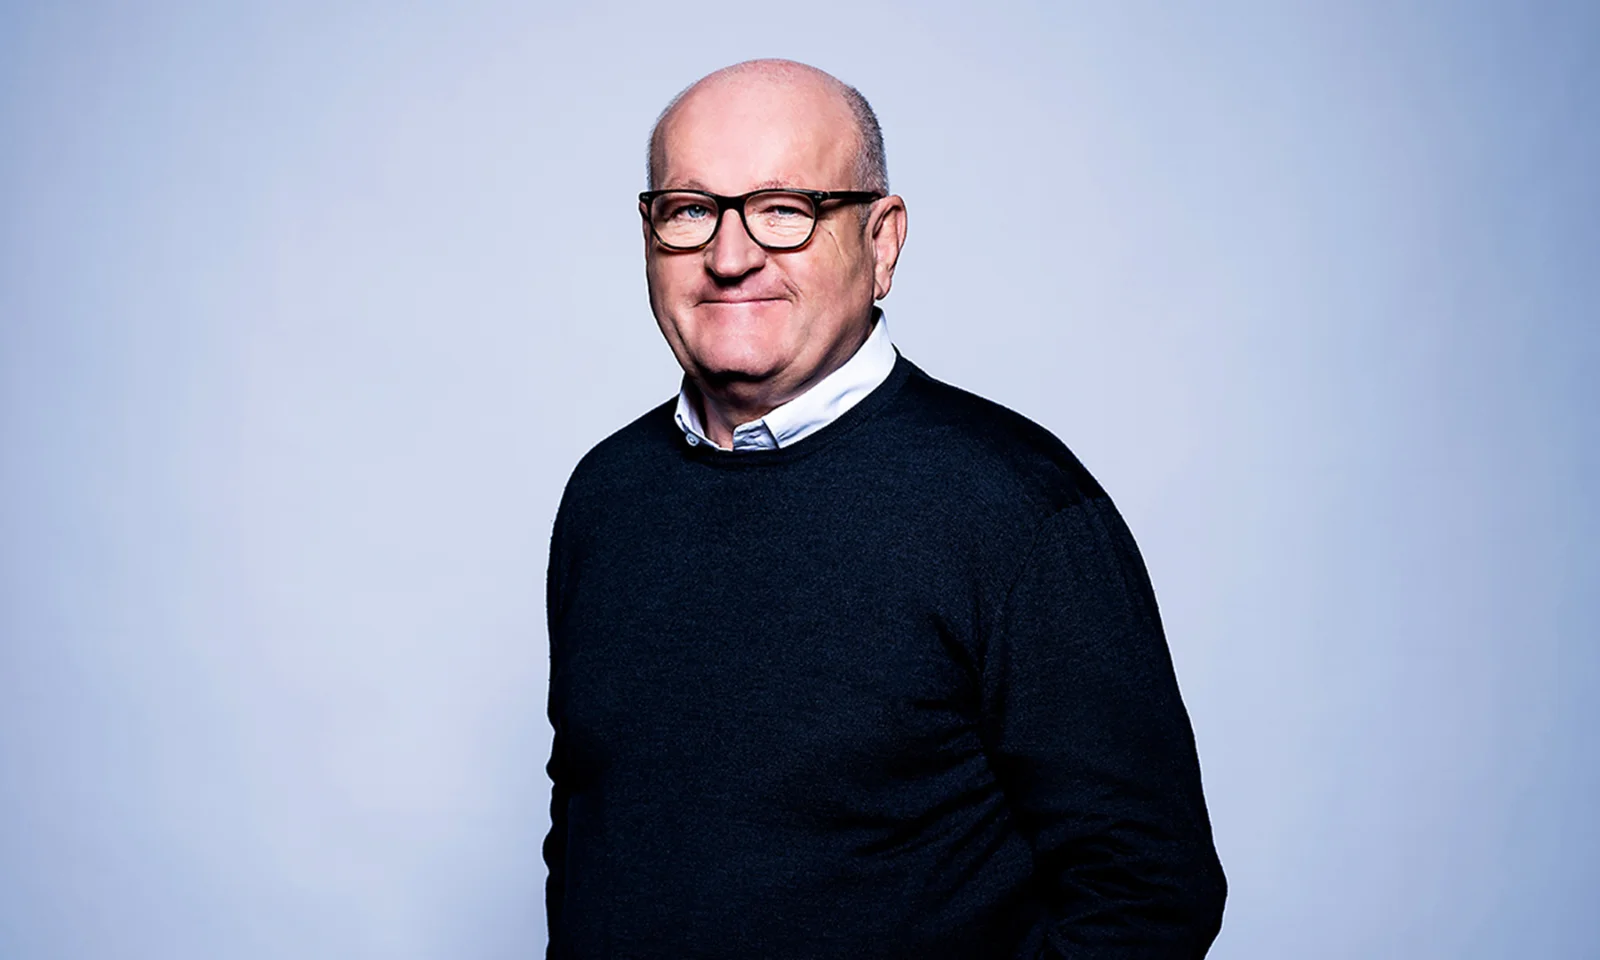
(896, 690)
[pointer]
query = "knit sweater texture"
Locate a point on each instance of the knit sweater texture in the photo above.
(897, 690)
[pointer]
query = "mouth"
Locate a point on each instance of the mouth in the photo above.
(731, 301)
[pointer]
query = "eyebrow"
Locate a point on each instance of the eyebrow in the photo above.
(692, 184)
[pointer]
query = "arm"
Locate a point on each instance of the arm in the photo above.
(555, 842)
(1093, 747)
(555, 855)
(555, 850)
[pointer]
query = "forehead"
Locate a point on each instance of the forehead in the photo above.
(735, 136)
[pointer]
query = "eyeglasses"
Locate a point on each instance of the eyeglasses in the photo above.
(778, 219)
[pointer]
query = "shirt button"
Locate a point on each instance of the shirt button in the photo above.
(694, 441)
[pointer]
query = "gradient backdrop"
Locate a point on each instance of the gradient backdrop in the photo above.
(307, 310)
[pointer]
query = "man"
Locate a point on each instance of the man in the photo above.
(846, 662)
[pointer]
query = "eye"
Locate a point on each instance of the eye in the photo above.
(776, 208)
(688, 210)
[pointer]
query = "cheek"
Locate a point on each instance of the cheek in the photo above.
(839, 264)
(825, 282)
(671, 279)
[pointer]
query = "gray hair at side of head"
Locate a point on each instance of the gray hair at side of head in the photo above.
(872, 165)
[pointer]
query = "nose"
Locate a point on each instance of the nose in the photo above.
(732, 253)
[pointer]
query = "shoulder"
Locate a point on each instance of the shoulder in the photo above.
(627, 458)
(989, 450)
(1033, 491)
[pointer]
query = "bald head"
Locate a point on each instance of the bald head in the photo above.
(793, 88)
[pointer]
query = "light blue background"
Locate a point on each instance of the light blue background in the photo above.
(307, 310)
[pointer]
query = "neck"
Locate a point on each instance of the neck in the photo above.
(725, 406)
(719, 415)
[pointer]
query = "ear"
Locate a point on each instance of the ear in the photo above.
(886, 231)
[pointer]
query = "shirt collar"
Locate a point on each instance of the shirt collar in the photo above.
(821, 404)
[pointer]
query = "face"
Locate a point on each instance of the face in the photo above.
(748, 324)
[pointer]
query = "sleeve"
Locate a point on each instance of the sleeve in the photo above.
(1091, 742)
(555, 842)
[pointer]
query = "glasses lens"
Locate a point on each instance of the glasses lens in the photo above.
(683, 219)
(778, 219)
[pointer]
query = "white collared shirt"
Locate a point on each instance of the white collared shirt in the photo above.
(821, 404)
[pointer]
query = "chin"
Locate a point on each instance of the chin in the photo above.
(740, 350)
(738, 362)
